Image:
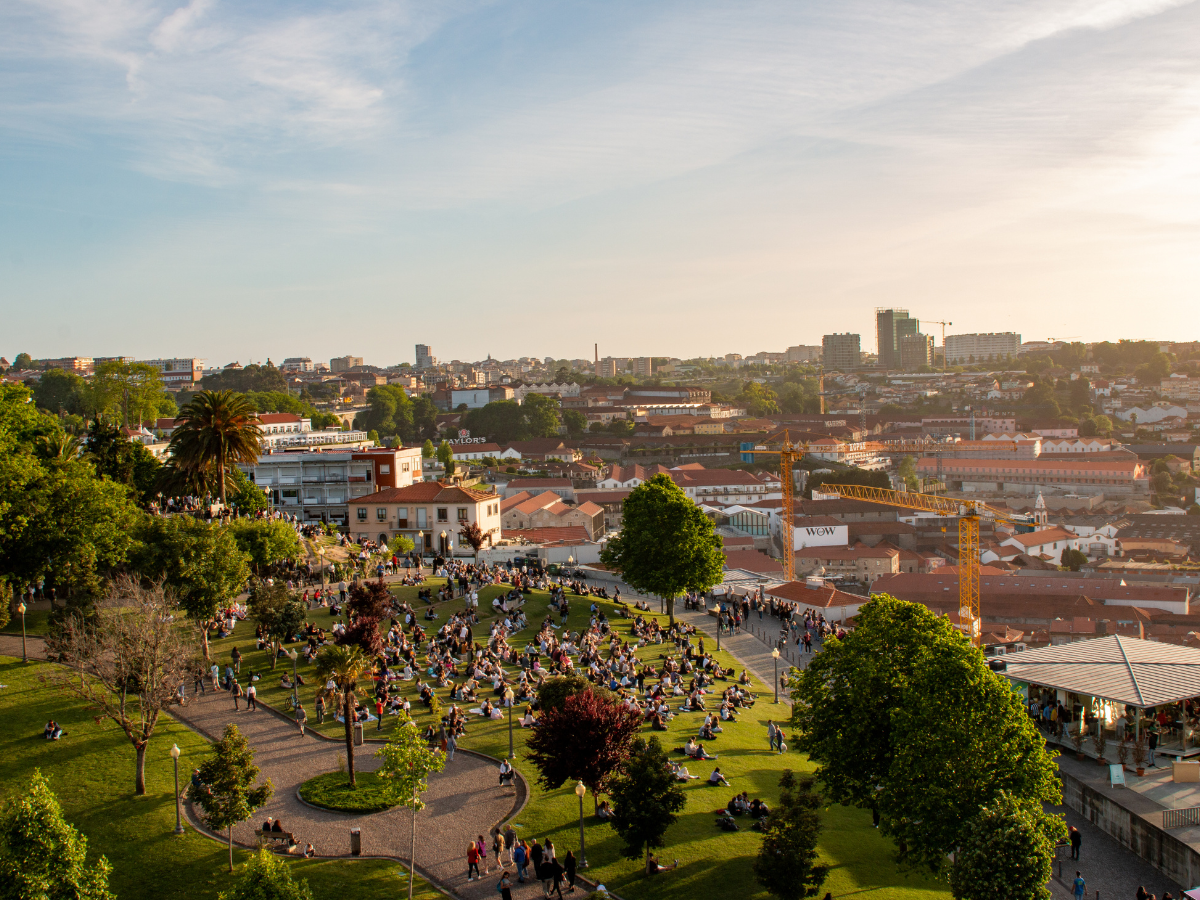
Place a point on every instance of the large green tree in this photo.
(667, 546)
(215, 431)
(406, 762)
(62, 393)
(389, 412)
(279, 613)
(266, 541)
(1007, 852)
(267, 877)
(42, 857)
(228, 793)
(201, 563)
(125, 392)
(787, 859)
(905, 718)
(121, 460)
(647, 799)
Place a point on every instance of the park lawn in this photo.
(715, 863)
(332, 790)
(37, 622)
(92, 771)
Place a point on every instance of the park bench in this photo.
(276, 837)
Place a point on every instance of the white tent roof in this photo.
(1127, 670)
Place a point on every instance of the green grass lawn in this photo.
(92, 770)
(714, 862)
(332, 791)
(37, 622)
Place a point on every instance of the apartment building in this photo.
(345, 363)
(431, 514)
(891, 327)
(424, 356)
(547, 510)
(965, 349)
(841, 352)
(1085, 475)
(803, 353)
(316, 485)
(178, 373)
(298, 364)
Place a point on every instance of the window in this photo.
(362, 514)
(422, 517)
(385, 469)
(462, 514)
(443, 514)
(381, 513)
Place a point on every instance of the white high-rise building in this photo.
(425, 358)
(979, 348)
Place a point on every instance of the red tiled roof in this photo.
(278, 418)
(426, 492)
(752, 561)
(539, 483)
(547, 535)
(819, 598)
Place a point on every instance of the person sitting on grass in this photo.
(52, 731)
(717, 778)
(656, 867)
(604, 813)
(706, 732)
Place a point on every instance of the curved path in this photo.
(463, 801)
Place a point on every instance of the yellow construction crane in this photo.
(943, 324)
(968, 513)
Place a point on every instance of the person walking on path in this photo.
(451, 744)
(251, 697)
(320, 709)
(236, 691)
(301, 718)
(510, 841)
(379, 714)
(481, 844)
(556, 878)
(774, 736)
(1078, 886)
(521, 859)
(569, 865)
(1152, 745)
(472, 861)
(505, 886)
(198, 682)
(236, 656)
(536, 858)
(1076, 839)
(498, 848)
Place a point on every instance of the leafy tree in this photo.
(244, 494)
(217, 430)
(1074, 559)
(373, 437)
(904, 717)
(553, 692)
(119, 459)
(646, 799)
(621, 426)
(228, 793)
(472, 535)
(541, 416)
(42, 855)
(389, 411)
(265, 541)
(344, 665)
(424, 418)
(22, 361)
(1103, 425)
(124, 391)
(61, 392)
(267, 877)
(907, 470)
(278, 611)
(201, 563)
(575, 421)
(585, 739)
(758, 399)
(406, 763)
(367, 605)
(1006, 852)
(253, 378)
(427, 450)
(786, 863)
(667, 546)
(445, 455)
(126, 661)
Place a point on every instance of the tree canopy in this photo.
(507, 420)
(215, 431)
(646, 799)
(904, 716)
(787, 859)
(667, 546)
(228, 793)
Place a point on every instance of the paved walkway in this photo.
(463, 801)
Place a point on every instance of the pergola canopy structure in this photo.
(1125, 670)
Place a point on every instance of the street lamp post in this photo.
(292, 654)
(321, 555)
(775, 658)
(580, 790)
(719, 615)
(175, 759)
(24, 652)
(508, 698)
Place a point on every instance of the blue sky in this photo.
(244, 180)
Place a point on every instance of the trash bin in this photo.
(358, 735)
(355, 842)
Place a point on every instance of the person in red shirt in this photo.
(472, 861)
(379, 714)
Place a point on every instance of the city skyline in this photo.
(355, 180)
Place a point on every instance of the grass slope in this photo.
(92, 769)
(714, 862)
(331, 791)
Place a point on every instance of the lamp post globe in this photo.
(24, 651)
(178, 818)
(580, 791)
(775, 659)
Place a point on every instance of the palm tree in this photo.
(216, 430)
(63, 446)
(344, 665)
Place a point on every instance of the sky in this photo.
(243, 181)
